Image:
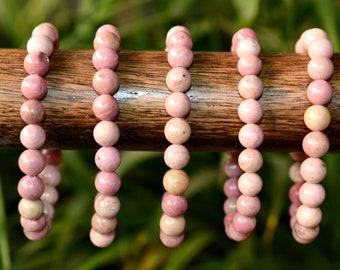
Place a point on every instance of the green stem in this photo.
(4, 243)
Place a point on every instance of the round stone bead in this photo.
(313, 170)
(175, 29)
(50, 195)
(106, 206)
(294, 172)
(107, 183)
(305, 235)
(175, 182)
(50, 175)
(177, 130)
(250, 86)
(31, 162)
(178, 79)
(32, 136)
(235, 235)
(177, 104)
(34, 87)
(105, 81)
(230, 187)
(248, 46)
(103, 225)
(105, 58)
(321, 47)
(49, 211)
(176, 156)
(32, 112)
(33, 225)
(317, 117)
(243, 224)
(320, 68)
(180, 56)
(48, 30)
(53, 156)
(310, 35)
(298, 156)
(308, 216)
(248, 205)
(101, 240)
(107, 159)
(315, 144)
(250, 111)
(241, 34)
(250, 184)
(36, 63)
(31, 209)
(293, 193)
(30, 187)
(292, 212)
(312, 195)
(299, 48)
(182, 38)
(249, 65)
(40, 43)
(105, 107)
(250, 136)
(106, 39)
(174, 205)
(109, 27)
(231, 167)
(319, 92)
(37, 235)
(172, 226)
(106, 133)
(171, 241)
(229, 205)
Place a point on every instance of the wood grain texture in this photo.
(213, 118)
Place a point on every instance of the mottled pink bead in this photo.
(182, 38)
(293, 193)
(34, 87)
(176, 156)
(298, 156)
(177, 28)
(48, 30)
(31, 162)
(250, 136)
(310, 35)
(105, 58)
(248, 205)
(50, 195)
(294, 172)
(53, 156)
(107, 159)
(248, 46)
(180, 56)
(319, 92)
(30, 187)
(233, 234)
(105, 81)
(174, 205)
(231, 167)
(107, 183)
(249, 65)
(106, 133)
(109, 27)
(250, 184)
(37, 235)
(228, 218)
(105, 107)
(250, 111)
(241, 34)
(308, 216)
(321, 47)
(250, 86)
(178, 79)
(177, 130)
(229, 205)
(243, 224)
(40, 43)
(103, 225)
(106, 39)
(36, 63)
(171, 241)
(315, 144)
(33, 225)
(312, 195)
(32, 112)
(106, 206)
(230, 187)
(313, 170)
(101, 240)
(177, 104)
(32, 136)
(292, 212)
(299, 48)
(49, 211)
(320, 68)
(305, 235)
(51, 175)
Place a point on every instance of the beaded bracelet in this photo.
(244, 184)
(106, 133)
(38, 187)
(177, 131)
(308, 171)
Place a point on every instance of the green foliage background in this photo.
(143, 25)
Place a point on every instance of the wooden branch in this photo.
(213, 118)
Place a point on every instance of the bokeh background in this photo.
(143, 25)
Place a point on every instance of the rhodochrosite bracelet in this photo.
(177, 131)
(38, 187)
(308, 171)
(244, 184)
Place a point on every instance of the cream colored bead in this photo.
(172, 226)
(31, 209)
(176, 181)
(317, 118)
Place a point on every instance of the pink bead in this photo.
(32, 112)
(250, 184)
(241, 34)
(171, 241)
(49, 211)
(250, 111)
(175, 29)
(299, 48)
(313, 170)
(37, 235)
(228, 218)
(48, 30)
(293, 193)
(31, 162)
(298, 156)
(40, 43)
(50, 195)
(312, 195)
(111, 28)
(177, 104)
(294, 172)
(177, 130)
(243, 224)
(320, 68)
(103, 225)
(305, 235)
(248, 205)
(30, 187)
(105, 81)
(319, 92)
(106, 206)
(249, 65)
(310, 35)
(180, 56)
(101, 240)
(321, 47)
(292, 212)
(107, 183)
(250, 136)
(36, 63)
(106, 133)
(105, 58)
(174, 205)
(107, 159)
(248, 46)
(315, 144)
(229, 205)
(33, 225)
(53, 156)
(178, 79)
(51, 175)
(231, 168)
(32, 136)
(105, 107)
(233, 234)
(308, 216)
(230, 188)
(34, 87)
(106, 39)
(250, 86)
(176, 156)
(182, 38)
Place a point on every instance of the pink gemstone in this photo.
(50, 195)
(249, 65)
(49, 30)
(313, 170)
(105, 81)
(299, 48)
(320, 68)
(305, 235)
(174, 205)
(107, 159)
(31, 162)
(248, 205)
(180, 56)
(178, 104)
(231, 167)
(250, 111)
(106, 133)
(294, 172)
(37, 235)
(175, 29)
(51, 175)
(105, 58)
(250, 86)
(319, 92)
(250, 160)
(30, 187)
(109, 27)
(101, 240)
(40, 43)
(103, 225)
(230, 188)
(292, 211)
(106, 39)
(106, 206)
(308, 216)
(241, 34)
(310, 35)
(177, 130)
(171, 241)
(182, 38)
(176, 156)
(321, 47)
(293, 193)
(233, 234)
(250, 184)
(32, 112)
(33, 225)
(178, 79)
(248, 46)
(105, 107)
(53, 156)
(229, 205)
(36, 63)
(243, 224)
(34, 87)
(250, 136)
(312, 195)
(32, 136)
(315, 144)
(107, 183)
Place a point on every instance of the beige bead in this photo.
(103, 225)
(250, 184)
(31, 209)
(106, 39)
(250, 160)
(106, 133)
(294, 172)
(106, 206)
(177, 130)
(317, 117)
(101, 240)
(172, 226)
(308, 216)
(176, 182)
